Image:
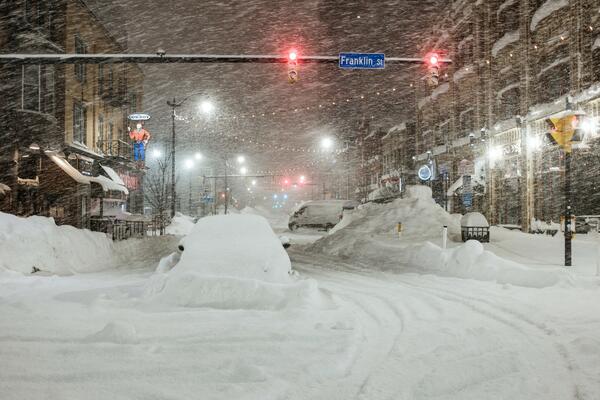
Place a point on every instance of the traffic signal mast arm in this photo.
(182, 58)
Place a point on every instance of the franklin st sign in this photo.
(362, 60)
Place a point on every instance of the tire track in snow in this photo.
(525, 327)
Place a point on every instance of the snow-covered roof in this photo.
(106, 183)
(546, 10)
(508, 38)
(556, 63)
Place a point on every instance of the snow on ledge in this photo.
(507, 39)
(546, 10)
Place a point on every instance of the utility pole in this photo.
(173, 105)
(226, 188)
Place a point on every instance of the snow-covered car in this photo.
(324, 214)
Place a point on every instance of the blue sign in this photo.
(425, 173)
(362, 60)
(208, 199)
(468, 200)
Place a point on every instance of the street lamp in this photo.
(327, 143)
(241, 159)
(198, 156)
(205, 106)
(243, 170)
(156, 153)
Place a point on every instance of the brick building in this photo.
(64, 150)
(515, 64)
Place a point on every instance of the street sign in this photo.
(138, 117)
(362, 60)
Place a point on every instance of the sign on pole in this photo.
(362, 60)
(139, 117)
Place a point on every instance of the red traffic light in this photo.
(433, 59)
(293, 55)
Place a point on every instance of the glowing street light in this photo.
(189, 164)
(198, 156)
(156, 153)
(241, 159)
(243, 170)
(207, 107)
(253, 182)
(326, 143)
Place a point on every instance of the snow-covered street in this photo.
(371, 335)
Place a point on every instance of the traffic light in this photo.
(433, 69)
(293, 66)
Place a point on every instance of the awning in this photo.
(106, 183)
(112, 174)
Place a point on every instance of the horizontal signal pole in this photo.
(179, 58)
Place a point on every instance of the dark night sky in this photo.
(272, 27)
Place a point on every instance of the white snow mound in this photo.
(232, 262)
(38, 242)
(114, 332)
(421, 219)
(180, 225)
(471, 261)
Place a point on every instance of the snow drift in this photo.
(180, 225)
(230, 262)
(471, 261)
(37, 242)
(360, 232)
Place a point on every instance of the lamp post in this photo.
(207, 107)
(243, 170)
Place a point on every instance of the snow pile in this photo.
(474, 219)
(180, 225)
(230, 262)
(277, 218)
(114, 332)
(471, 261)
(545, 10)
(37, 242)
(360, 231)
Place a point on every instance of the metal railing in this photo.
(119, 230)
(116, 148)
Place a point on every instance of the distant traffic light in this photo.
(293, 66)
(433, 69)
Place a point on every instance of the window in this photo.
(100, 79)
(110, 79)
(80, 48)
(79, 122)
(111, 132)
(30, 99)
(132, 103)
(48, 94)
(101, 139)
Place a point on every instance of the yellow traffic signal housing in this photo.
(564, 130)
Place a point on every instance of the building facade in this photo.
(64, 147)
(515, 64)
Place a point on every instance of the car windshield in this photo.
(299, 199)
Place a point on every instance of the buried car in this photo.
(237, 246)
(323, 214)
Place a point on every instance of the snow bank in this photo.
(471, 261)
(180, 225)
(277, 218)
(231, 262)
(38, 242)
(421, 218)
(192, 289)
(114, 332)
